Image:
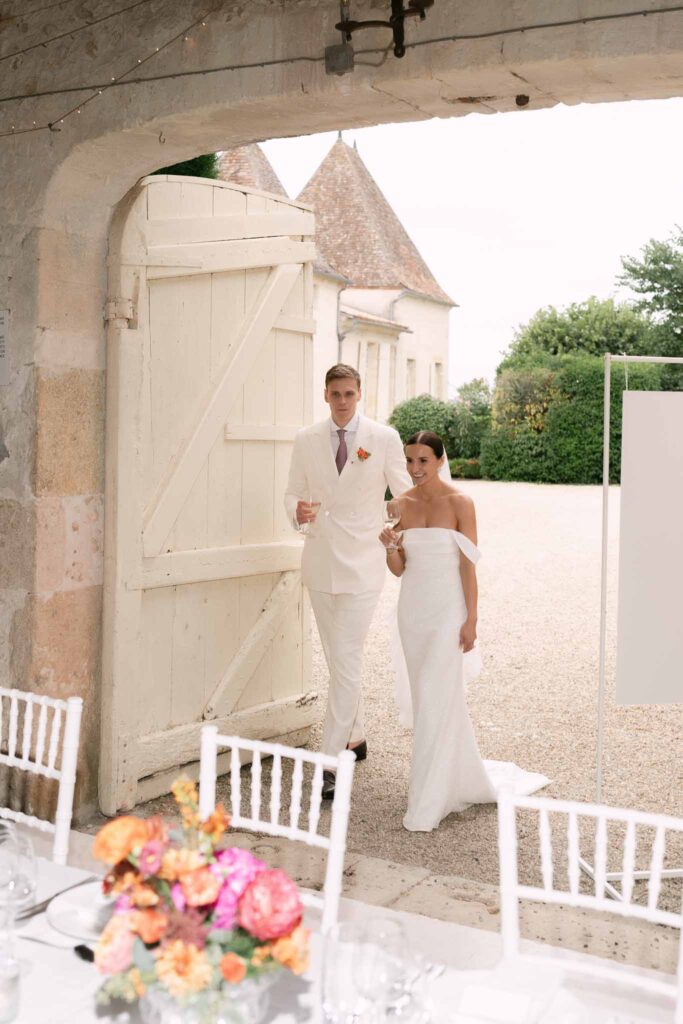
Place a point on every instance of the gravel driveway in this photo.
(535, 703)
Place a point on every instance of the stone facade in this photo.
(220, 85)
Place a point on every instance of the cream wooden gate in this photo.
(208, 377)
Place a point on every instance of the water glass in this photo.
(343, 1003)
(9, 987)
(309, 529)
(381, 969)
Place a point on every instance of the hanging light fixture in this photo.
(415, 9)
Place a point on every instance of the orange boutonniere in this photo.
(362, 455)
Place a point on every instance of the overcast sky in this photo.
(517, 211)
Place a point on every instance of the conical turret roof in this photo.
(357, 232)
(249, 165)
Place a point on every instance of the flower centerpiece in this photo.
(194, 921)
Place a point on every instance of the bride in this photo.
(435, 555)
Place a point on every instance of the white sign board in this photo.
(650, 619)
(4, 346)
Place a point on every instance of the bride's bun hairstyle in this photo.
(429, 438)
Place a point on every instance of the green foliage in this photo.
(425, 413)
(591, 328)
(465, 469)
(563, 442)
(471, 417)
(658, 278)
(205, 166)
(461, 424)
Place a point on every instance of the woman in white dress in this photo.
(435, 553)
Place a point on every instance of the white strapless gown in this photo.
(447, 773)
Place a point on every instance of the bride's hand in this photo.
(468, 634)
(390, 539)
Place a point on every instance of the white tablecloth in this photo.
(59, 988)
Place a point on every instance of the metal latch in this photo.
(119, 309)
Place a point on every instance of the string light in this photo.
(50, 126)
(72, 32)
(301, 59)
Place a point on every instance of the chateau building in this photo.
(377, 305)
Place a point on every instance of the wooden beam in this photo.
(242, 667)
(261, 432)
(162, 751)
(297, 324)
(184, 468)
(190, 230)
(215, 257)
(200, 566)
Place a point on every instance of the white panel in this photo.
(650, 637)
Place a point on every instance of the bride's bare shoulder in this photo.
(460, 501)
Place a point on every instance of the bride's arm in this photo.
(396, 559)
(467, 524)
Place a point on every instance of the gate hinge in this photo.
(120, 309)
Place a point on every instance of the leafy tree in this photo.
(198, 167)
(657, 276)
(592, 328)
(471, 417)
(425, 413)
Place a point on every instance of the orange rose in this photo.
(233, 968)
(292, 950)
(157, 829)
(149, 924)
(200, 887)
(118, 838)
(183, 969)
(142, 895)
(176, 863)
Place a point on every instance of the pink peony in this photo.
(270, 906)
(114, 949)
(149, 861)
(236, 868)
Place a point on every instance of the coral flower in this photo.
(183, 969)
(114, 949)
(236, 868)
(149, 924)
(200, 887)
(118, 838)
(270, 906)
(176, 863)
(292, 950)
(260, 954)
(233, 968)
(142, 895)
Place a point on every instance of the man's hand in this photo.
(468, 634)
(306, 512)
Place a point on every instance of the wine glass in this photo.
(315, 502)
(380, 967)
(392, 516)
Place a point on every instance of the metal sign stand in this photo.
(586, 867)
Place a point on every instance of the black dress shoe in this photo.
(361, 751)
(328, 785)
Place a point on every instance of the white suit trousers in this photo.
(343, 623)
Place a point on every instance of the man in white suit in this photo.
(344, 463)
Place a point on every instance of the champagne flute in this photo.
(392, 516)
(308, 529)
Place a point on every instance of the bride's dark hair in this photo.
(429, 438)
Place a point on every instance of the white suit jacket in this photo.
(343, 554)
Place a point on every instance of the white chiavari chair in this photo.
(39, 735)
(629, 822)
(270, 823)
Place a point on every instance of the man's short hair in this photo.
(341, 371)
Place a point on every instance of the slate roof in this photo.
(249, 165)
(357, 232)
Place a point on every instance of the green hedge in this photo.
(465, 469)
(564, 445)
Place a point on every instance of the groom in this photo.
(345, 463)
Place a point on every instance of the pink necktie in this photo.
(341, 452)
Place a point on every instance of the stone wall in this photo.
(60, 189)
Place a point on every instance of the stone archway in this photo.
(256, 73)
